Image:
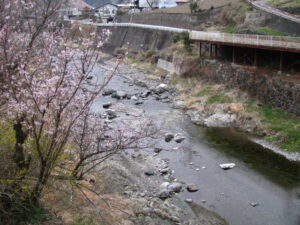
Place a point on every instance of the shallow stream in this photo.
(260, 177)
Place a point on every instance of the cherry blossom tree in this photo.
(46, 97)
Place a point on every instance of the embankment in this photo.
(137, 40)
(275, 90)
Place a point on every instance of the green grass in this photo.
(286, 3)
(231, 28)
(219, 99)
(269, 31)
(205, 91)
(285, 125)
(245, 5)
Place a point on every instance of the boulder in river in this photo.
(157, 150)
(111, 114)
(146, 94)
(220, 120)
(107, 92)
(107, 105)
(149, 173)
(253, 204)
(179, 138)
(134, 98)
(192, 188)
(161, 88)
(195, 116)
(169, 137)
(179, 104)
(227, 166)
(119, 95)
(175, 187)
(163, 194)
(164, 185)
(164, 171)
(139, 102)
(188, 200)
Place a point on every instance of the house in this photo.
(87, 12)
(106, 11)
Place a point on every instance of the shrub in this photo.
(194, 7)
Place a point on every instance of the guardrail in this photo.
(248, 39)
(274, 11)
(134, 25)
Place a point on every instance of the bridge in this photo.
(279, 45)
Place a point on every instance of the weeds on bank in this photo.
(231, 28)
(222, 99)
(284, 126)
(205, 91)
(269, 31)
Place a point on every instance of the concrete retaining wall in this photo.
(137, 39)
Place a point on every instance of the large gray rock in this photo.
(111, 114)
(175, 187)
(195, 116)
(146, 94)
(163, 194)
(169, 137)
(179, 104)
(227, 166)
(107, 105)
(179, 138)
(149, 173)
(107, 92)
(119, 95)
(220, 120)
(161, 88)
(192, 188)
(134, 98)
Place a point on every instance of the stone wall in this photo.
(272, 89)
(281, 24)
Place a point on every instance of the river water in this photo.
(260, 177)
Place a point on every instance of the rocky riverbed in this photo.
(180, 177)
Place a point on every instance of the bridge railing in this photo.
(247, 39)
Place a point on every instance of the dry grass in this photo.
(84, 203)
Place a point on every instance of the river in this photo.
(267, 181)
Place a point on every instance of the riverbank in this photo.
(133, 186)
(129, 186)
(217, 104)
